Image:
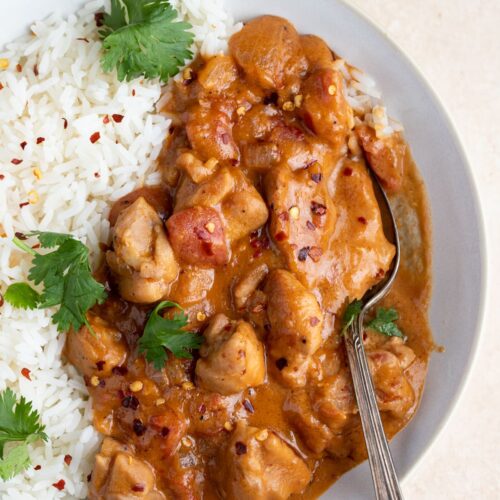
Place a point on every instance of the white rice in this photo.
(69, 183)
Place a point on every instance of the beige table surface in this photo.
(456, 44)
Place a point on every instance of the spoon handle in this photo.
(384, 475)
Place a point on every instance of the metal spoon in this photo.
(384, 475)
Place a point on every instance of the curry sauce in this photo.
(264, 228)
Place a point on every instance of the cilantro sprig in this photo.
(19, 423)
(167, 333)
(66, 277)
(142, 38)
(383, 322)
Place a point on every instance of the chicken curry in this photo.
(264, 227)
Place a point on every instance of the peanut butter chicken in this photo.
(264, 228)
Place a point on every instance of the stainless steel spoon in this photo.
(384, 475)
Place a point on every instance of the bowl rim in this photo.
(482, 243)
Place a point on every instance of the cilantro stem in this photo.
(23, 246)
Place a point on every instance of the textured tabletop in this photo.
(455, 43)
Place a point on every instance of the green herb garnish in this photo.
(142, 38)
(167, 333)
(384, 323)
(67, 280)
(351, 313)
(19, 423)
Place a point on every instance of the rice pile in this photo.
(54, 98)
(72, 140)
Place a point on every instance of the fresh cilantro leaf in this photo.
(50, 240)
(167, 333)
(142, 38)
(66, 277)
(22, 295)
(18, 423)
(350, 314)
(15, 461)
(384, 322)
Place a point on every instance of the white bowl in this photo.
(459, 263)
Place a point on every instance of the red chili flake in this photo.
(99, 18)
(65, 123)
(248, 406)
(100, 365)
(1, 300)
(68, 459)
(303, 253)
(202, 408)
(35, 246)
(316, 177)
(241, 448)
(97, 175)
(254, 234)
(35, 69)
(310, 225)
(26, 373)
(256, 243)
(347, 171)
(318, 208)
(138, 487)
(281, 363)
(313, 320)
(133, 92)
(1, 86)
(117, 118)
(2, 177)
(95, 137)
(283, 216)
(16, 161)
(257, 254)
(362, 220)
(39, 140)
(83, 40)
(139, 427)
(19, 68)
(105, 120)
(23, 144)
(24, 204)
(165, 431)
(20, 236)
(225, 138)
(380, 273)
(130, 402)
(60, 484)
(315, 253)
(120, 370)
(280, 236)
(37, 467)
(89, 477)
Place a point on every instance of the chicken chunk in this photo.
(317, 52)
(209, 130)
(198, 237)
(218, 74)
(324, 108)
(303, 220)
(96, 353)
(394, 392)
(296, 321)
(386, 156)
(232, 357)
(142, 258)
(259, 464)
(247, 285)
(233, 195)
(119, 475)
(269, 52)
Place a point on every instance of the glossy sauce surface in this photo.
(290, 233)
